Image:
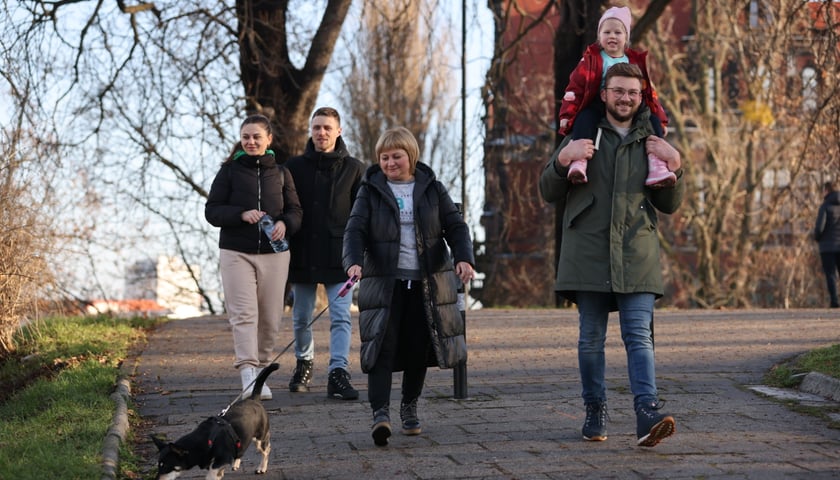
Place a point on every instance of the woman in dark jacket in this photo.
(249, 185)
(398, 241)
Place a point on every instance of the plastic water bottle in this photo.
(267, 225)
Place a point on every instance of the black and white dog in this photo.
(221, 440)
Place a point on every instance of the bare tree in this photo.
(398, 73)
(272, 83)
(753, 99)
(144, 100)
(29, 239)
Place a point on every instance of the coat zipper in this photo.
(259, 206)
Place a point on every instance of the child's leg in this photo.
(586, 122)
(656, 124)
(585, 126)
(658, 174)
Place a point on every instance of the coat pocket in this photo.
(577, 208)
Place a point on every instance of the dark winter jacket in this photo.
(247, 183)
(585, 85)
(372, 240)
(827, 229)
(610, 243)
(326, 184)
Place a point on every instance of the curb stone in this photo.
(819, 384)
(117, 431)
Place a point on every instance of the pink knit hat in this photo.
(622, 14)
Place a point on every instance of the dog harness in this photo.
(222, 426)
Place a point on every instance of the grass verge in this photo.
(789, 374)
(55, 405)
(823, 360)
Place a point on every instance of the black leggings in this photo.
(406, 346)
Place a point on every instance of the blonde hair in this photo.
(399, 138)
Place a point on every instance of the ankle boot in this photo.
(577, 172)
(381, 429)
(408, 416)
(301, 376)
(658, 174)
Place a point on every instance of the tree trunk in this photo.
(273, 85)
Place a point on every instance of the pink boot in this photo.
(658, 174)
(577, 172)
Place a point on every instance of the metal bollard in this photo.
(459, 373)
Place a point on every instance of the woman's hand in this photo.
(464, 271)
(252, 216)
(279, 231)
(354, 270)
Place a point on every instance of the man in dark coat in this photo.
(827, 233)
(327, 179)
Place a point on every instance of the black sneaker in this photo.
(339, 386)
(595, 424)
(381, 429)
(301, 376)
(652, 426)
(408, 415)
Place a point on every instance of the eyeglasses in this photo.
(621, 92)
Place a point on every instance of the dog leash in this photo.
(341, 293)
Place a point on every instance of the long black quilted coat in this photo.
(372, 240)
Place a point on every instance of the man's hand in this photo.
(664, 151)
(580, 149)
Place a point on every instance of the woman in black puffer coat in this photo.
(398, 241)
(251, 184)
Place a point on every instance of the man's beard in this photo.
(613, 110)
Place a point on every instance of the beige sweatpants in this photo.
(254, 288)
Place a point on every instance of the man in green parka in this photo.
(609, 256)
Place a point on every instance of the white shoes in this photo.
(248, 375)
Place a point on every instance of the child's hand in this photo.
(563, 123)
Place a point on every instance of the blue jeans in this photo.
(635, 312)
(340, 326)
